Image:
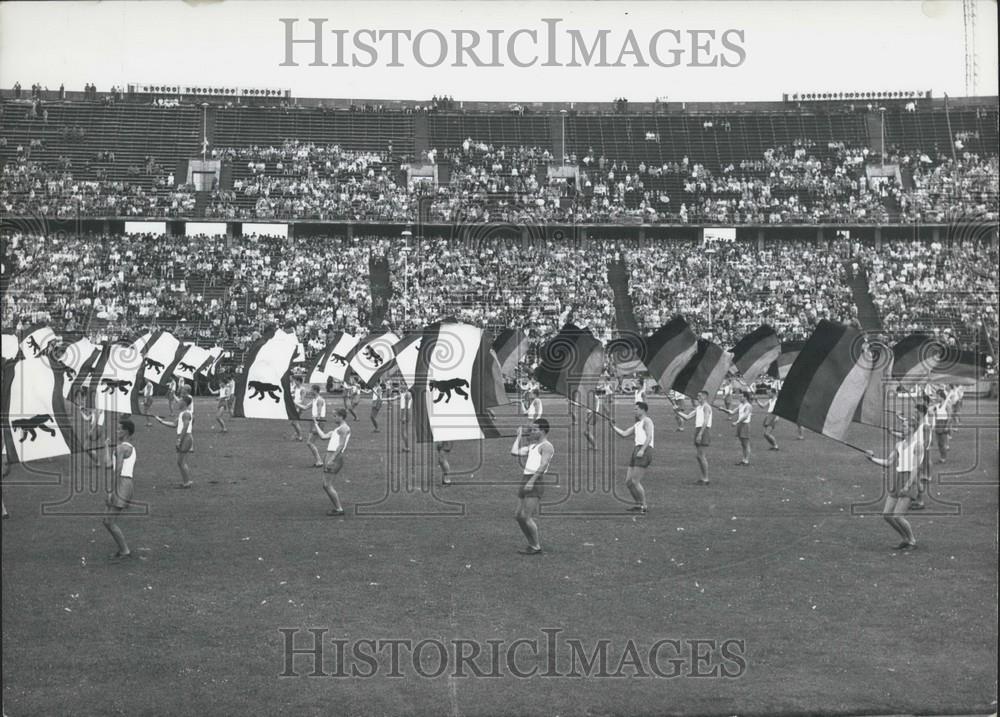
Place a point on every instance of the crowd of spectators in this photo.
(214, 290)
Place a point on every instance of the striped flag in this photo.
(115, 383)
(625, 351)
(571, 362)
(705, 371)
(915, 356)
(755, 352)
(668, 350)
(214, 357)
(957, 366)
(403, 361)
(37, 340)
(33, 417)
(510, 345)
(789, 352)
(262, 389)
(371, 353)
(456, 376)
(73, 360)
(189, 359)
(878, 401)
(88, 371)
(338, 363)
(827, 380)
(159, 356)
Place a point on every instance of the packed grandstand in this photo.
(882, 214)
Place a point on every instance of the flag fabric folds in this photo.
(755, 352)
(877, 404)
(36, 340)
(9, 346)
(159, 356)
(668, 350)
(404, 360)
(263, 388)
(371, 353)
(789, 352)
(704, 371)
(189, 360)
(915, 356)
(957, 366)
(827, 380)
(74, 361)
(571, 362)
(454, 384)
(510, 345)
(114, 385)
(33, 417)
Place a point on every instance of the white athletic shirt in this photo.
(640, 433)
(743, 413)
(318, 407)
(180, 423)
(128, 465)
(334, 443)
(535, 409)
(905, 459)
(771, 404)
(405, 400)
(297, 392)
(702, 416)
(941, 411)
(147, 390)
(534, 460)
(640, 394)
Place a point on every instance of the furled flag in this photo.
(827, 380)
(262, 390)
(33, 418)
(455, 383)
(957, 366)
(668, 350)
(571, 362)
(755, 352)
(74, 359)
(371, 353)
(9, 346)
(915, 356)
(789, 352)
(115, 383)
(510, 345)
(403, 361)
(705, 371)
(878, 403)
(190, 359)
(159, 356)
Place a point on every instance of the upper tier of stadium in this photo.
(861, 161)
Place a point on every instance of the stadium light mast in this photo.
(710, 252)
(204, 130)
(405, 251)
(562, 113)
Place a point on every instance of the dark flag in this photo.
(957, 366)
(878, 403)
(827, 380)
(510, 345)
(571, 362)
(704, 372)
(668, 350)
(263, 390)
(915, 356)
(755, 352)
(455, 383)
(789, 352)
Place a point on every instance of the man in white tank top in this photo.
(642, 454)
(744, 414)
(223, 392)
(770, 420)
(902, 483)
(316, 406)
(122, 459)
(538, 454)
(185, 439)
(405, 399)
(298, 396)
(533, 405)
(702, 415)
(602, 392)
(147, 400)
(339, 437)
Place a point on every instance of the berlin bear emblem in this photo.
(373, 356)
(259, 388)
(70, 373)
(33, 345)
(339, 359)
(444, 388)
(185, 367)
(110, 385)
(153, 364)
(29, 426)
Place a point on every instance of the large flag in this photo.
(72, 361)
(37, 340)
(115, 382)
(755, 352)
(159, 356)
(190, 360)
(878, 402)
(403, 361)
(212, 364)
(915, 356)
(510, 345)
(263, 390)
(371, 353)
(668, 350)
(789, 352)
(332, 361)
(957, 366)
(827, 380)
(571, 362)
(705, 371)
(33, 418)
(456, 378)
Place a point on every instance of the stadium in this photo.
(425, 282)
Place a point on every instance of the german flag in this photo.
(958, 366)
(915, 356)
(456, 378)
(705, 371)
(789, 352)
(510, 346)
(571, 362)
(827, 380)
(755, 352)
(668, 350)
(879, 399)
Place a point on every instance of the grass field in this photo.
(785, 556)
